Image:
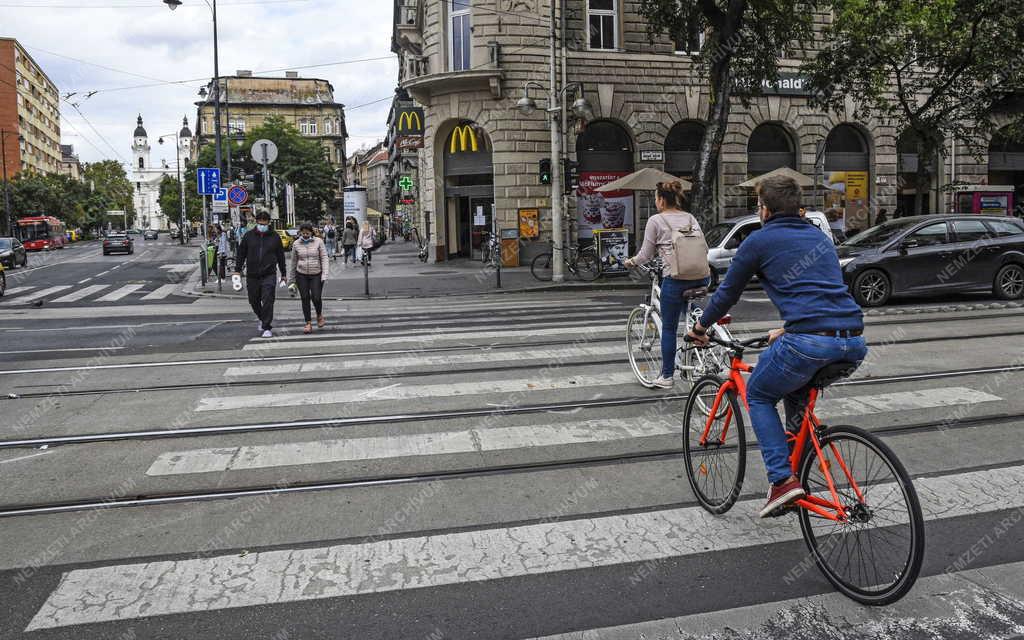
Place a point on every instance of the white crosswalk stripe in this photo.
(161, 292)
(42, 293)
(82, 293)
(117, 294)
(13, 291)
(139, 590)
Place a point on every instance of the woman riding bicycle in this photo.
(658, 235)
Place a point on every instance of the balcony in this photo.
(421, 83)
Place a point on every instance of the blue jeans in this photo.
(672, 305)
(781, 372)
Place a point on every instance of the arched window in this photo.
(846, 149)
(604, 146)
(142, 163)
(328, 126)
(682, 147)
(770, 147)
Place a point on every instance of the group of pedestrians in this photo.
(351, 235)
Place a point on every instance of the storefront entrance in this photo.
(469, 191)
(848, 178)
(604, 151)
(1006, 167)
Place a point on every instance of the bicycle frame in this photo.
(830, 509)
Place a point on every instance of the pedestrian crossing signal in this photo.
(545, 171)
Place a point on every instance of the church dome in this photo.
(185, 131)
(140, 132)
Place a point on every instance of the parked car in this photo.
(150, 234)
(726, 237)
(286, 239)
(12, 253)
(935, 254)
(118, 242)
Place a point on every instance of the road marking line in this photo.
(63, 349)
(903, 401)
(33, 455)
(398, 392)
(42, 293)
(81, 293)
(13, 291)
(179, 268)
(114, 296)
(83, 281)
(143, 590)
(161, 292)
(422, 336)
(409, 445)
(432, 360)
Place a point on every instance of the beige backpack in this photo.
(688, 256)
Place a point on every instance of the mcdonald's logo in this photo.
(410, 121)
(462, 135)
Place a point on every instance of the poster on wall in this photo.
(612, 249)
(529, 223)
(597, 211)
(848, 193)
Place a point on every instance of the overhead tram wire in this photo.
(96, 131)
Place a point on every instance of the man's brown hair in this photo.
(781, 194)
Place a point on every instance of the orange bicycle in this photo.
(861, 518)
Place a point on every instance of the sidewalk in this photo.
(398, 273)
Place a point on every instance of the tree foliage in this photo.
(82, 203)
(744, 40)
(936, 68)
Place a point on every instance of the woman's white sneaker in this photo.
(664, 383)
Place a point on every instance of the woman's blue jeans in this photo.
(782, 371)
(672, 306)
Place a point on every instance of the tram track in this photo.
(156, 499)
(426, 416)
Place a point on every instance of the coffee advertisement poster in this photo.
(598, 211)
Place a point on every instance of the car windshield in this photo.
(877, 236)
(5, 244)
(715, 234)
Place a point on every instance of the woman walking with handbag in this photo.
(367, 240)
(309, 272)
(680, 273)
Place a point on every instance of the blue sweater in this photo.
(799, 269)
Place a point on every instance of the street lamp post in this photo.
(183, 233)
(9, 220)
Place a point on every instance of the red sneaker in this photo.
(780, 495)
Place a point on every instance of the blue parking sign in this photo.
(207, 181)
(221, 195)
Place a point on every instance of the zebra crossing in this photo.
(420, 546)
(93, 293)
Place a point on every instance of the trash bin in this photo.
(211, 256)
(510, 247)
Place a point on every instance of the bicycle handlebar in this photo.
(735, 345)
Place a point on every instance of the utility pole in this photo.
(557, 256)
(216, 81)
(7, 195)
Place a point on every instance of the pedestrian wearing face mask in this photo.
(309, 273)
(260, 256)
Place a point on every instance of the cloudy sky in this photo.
(113, 46)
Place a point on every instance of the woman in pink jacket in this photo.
(309, 273)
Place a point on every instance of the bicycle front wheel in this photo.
(643, 344)
(588, 267)
(875, 555)
(714, 447)
(541, 267)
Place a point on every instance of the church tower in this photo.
(140, 147)
(184, 143)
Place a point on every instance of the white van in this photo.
(726, 237)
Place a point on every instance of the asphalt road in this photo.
(460, 467)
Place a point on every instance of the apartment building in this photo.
(29, 113)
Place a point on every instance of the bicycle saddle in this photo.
(831, 373)
(699, 292)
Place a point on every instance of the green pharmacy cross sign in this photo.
(406, 183)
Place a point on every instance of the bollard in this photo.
(366, 276)
(203, 271)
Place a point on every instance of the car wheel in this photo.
(871, 288)
(1009, 282)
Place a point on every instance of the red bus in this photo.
(41, 232)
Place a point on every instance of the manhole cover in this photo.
(435, 273)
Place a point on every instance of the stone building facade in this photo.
(29, 113)
(467, 66)
(70, 165)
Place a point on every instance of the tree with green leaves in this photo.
(937, 69)
(743, 44)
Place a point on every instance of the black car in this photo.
(935, 254)
(150, 234)
(118, 242)
(12, 253)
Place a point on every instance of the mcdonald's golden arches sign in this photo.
(409, 122)
(464, 139)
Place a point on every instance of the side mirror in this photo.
(732, 243)
(909, 243)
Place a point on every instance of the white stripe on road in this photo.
(81, 293)
(903, 401)
(179, 268)
(142, 590)
(161, 292)
(117, 294)
(42, 293)
(399, 392)
(430, 360)
(13, 291)
(419, 444)
(424, 336)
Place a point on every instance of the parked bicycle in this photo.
(861, 517)
(490, 250)
(422, 244)
(643, 335)
(581, 262)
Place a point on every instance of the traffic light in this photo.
(570, 176)
(545, 171)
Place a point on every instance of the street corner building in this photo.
(29, 113)
(473, 155)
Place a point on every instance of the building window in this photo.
(236, 127)
(328, 127)
(690, 39)
(459, 36)
(142, 164)
(307, 127)
(603, 22)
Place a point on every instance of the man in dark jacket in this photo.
(799, 269)
(262, 252)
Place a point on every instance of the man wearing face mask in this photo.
(262, 252)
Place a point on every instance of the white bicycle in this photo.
(643, 336)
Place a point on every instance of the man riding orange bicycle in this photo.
(799, 269)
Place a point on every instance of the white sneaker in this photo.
(267, 334)
(664, 383)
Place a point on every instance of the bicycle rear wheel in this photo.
(588, 267)
(716, 468)
(541, 267)
(643, 345)
(873, 557)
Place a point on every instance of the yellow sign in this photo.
(856, 185)
(529, 223)
(410, 121)
(465, 136)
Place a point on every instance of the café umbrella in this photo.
(801, 180)
(643, 180)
